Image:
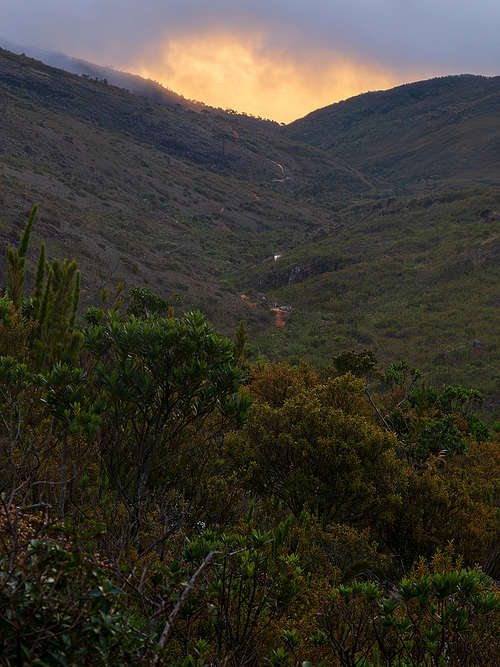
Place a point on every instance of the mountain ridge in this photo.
(122, 79)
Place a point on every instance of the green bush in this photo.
(58, 608)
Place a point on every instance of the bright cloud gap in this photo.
(224, 71)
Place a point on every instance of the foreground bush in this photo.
(59, 608)
(443, 618)
(311, 450)
(224, 513)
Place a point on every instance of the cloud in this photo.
(240, 73)
(237, 52)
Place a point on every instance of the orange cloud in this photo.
(237, 73)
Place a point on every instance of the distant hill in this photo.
(133, 83)
(416, 137)
(373, 222)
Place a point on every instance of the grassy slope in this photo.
(416, 279)
(185, 202)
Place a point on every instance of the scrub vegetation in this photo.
(165, 500)
(261, 426)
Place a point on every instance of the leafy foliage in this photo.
(16, 260)
(157, 381)
(431, 619)
(166, 501)
(57, 608)
(311, 451)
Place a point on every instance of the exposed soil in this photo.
(280, 317)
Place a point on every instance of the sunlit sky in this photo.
(234, 72)
(274, 59)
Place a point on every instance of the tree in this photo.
(56, 338)
(39, 277)
(143, 302)
(241, 348)
(158, 380)
(54, 302)
(360, 364)
(311, 451)
(430, 421)
(16, 262)
(430, 619)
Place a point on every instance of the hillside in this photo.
(134, 84)
(143, 192)
(410, 278)
(416, 137)
(384, 209)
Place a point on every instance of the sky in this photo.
(270, 58)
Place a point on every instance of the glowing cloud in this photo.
(240, 73)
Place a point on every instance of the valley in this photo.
(384, 209)
(249, 371)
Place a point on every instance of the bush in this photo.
(310, 450)
(58, 608)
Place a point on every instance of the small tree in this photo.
(310, 451)
(241, 348)
(16, 262)
(433, 619)
(143, 302)
(56, 338)
(159, 380)
(54, 302)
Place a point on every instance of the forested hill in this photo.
(444, 131)
(144, 192)
(384, 211)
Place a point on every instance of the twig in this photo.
(180, 603)
(372, 403)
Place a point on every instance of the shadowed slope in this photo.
(415, 137)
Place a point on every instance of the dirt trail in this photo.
(284, 177)
(280, 317)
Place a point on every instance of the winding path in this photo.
(284, 177)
